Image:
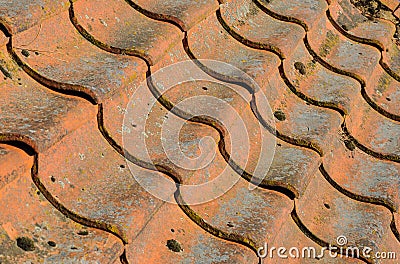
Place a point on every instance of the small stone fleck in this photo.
(174, 245)
(25, 243)
(300, 67)
(280, 115)
(349, 145)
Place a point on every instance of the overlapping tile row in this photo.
(358, 28)
(104, 57)
(18, 16)
(34, 231)
(300, 69)
(307, 67)
(328, 47)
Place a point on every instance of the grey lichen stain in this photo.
(330, 41)
(238, 14)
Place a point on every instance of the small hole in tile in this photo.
(53, 179)
(388, 99)
(51, 243)
(327, 206)
(25, 53)
(25, 243)
(204, 88)
(83, 233)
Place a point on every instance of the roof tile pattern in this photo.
(48, 235)
(60, 57)
(331, 79)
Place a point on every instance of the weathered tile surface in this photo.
(33, 231)
(291, 139)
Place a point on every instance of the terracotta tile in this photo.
(350, 19)
(61, 55)
(284, 170)
(392, 4)
(306, 124)
(246, 19)
(328, 214)
(321, 84)
(364, 175)
(152, 134)
(14, 163)
(358, 59)
(392, 60)
(281, 172)
(396, 219)
(3, 39)
(385, 92)
(160, 139)
(32, 230)
(184, 13)
(252, 62)
(340, 91)
(250, 214)
(18, 16)
(32, 113)
(278, 95)
(375, 131)
(219, 174)
(198, 246)
(100, 187)
(97, 186)
(288, 160)
(123, 28)
(291, 166)
(307, 12)
(397, 12)
(215, 170)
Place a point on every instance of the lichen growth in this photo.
(330, 41)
